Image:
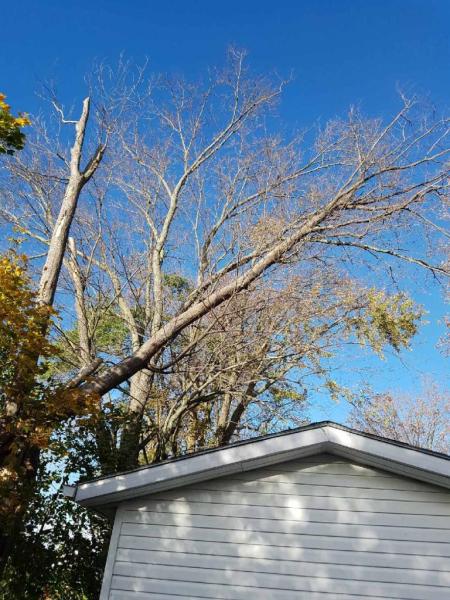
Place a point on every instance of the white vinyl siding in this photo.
(319, 528)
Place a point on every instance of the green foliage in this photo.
(109, 336)
(387, 320)
(177, 284)
(61, 550)
(282, 392)
(110, 332)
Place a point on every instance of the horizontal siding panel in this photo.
(163, 590)
(274, 496)
(274, 539)
(339, 468)
(271, 581)
(347, 466)
(334, 490)
(266, 525)
(293, 510)
(242, 566)
(319, 459)
(300, 554)
(122, 595)
(384, 481)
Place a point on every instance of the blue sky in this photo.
(341, 52)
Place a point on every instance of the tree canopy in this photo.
(194, 273)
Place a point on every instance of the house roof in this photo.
(391, 455)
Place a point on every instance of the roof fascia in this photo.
(400, 460)
(194, 469)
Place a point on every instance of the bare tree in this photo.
(200, 214)
(255, 205)
(421, 420)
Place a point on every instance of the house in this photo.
(322, 512)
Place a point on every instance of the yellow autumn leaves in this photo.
(11, 136)
(21, 121)
(31, 406)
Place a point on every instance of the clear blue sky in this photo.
(342, 52)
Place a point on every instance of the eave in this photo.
(106, 492)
